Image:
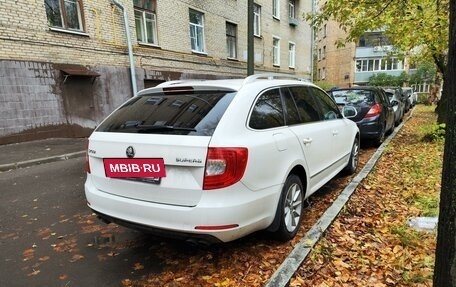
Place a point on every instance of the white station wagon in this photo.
(215, 160)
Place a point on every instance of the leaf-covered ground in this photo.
(370, 243)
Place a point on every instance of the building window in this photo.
(319, 54)
(276, 9)
(66, 14)
(197, 31)
(256, 20)
(276, 51)
(325, 30)
(291, 54)
(323, 73)
(231, 40)
(292, 9)
(323, 54)
(146, 21)
(367, 65)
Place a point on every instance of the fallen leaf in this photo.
(45, 258)
(138, 266)
(63, 277)
(76, 257)
(35, 272)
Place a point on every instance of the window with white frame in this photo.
(323, 73)
(146, 21)
(197, 31)
(65, 14)
(256, 20)
(292, 9)
(276, 51)
(231, 40)
(276, 9)
(368, 65)
(291, 55)
(325, 30)
(319, 54)
(323, 53)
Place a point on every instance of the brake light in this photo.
(87, 163)
(177, 90)
(375, 110)
(224, 167)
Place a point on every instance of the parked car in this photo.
(375, 115)
(407, 93)
(397, 104)
(217, 160)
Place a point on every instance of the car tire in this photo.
(354, 158)
(290, 208)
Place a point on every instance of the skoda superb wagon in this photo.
(216, 160)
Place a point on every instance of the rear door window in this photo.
(308, 108)
(328, 106)
(182, 113)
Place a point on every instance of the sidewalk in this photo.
(26, 154)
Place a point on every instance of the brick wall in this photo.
(37, 99)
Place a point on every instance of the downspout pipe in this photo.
(129, 46)
(312, 42)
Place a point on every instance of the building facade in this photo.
(374, 55)
(334, 64)
(65, 64)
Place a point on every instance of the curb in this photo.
(27, 163)
(282, 276)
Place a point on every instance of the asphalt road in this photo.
(49, 237)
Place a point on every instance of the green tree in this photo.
(426, 71)
(416, 28)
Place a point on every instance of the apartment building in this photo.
(353, 63)
(65, 64)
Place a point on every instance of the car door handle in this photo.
(335, 133)
(307, 141)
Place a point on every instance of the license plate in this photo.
(134, 167)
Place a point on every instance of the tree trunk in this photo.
(445, 259)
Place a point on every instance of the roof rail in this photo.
(271, 76)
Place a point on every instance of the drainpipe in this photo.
(130, 49)
(250, 42)
(312, 43)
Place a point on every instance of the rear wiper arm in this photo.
(163, 128)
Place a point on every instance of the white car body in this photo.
(179, 204)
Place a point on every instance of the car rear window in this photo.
(354, 97)
(181, 113)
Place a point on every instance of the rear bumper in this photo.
(369, 129)
(250, 211)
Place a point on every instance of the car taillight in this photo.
(375, 110)
(87, 163)
(224, 167)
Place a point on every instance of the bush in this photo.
(436, 132)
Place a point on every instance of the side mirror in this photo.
(349, 111)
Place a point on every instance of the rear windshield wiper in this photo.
(146, 128)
